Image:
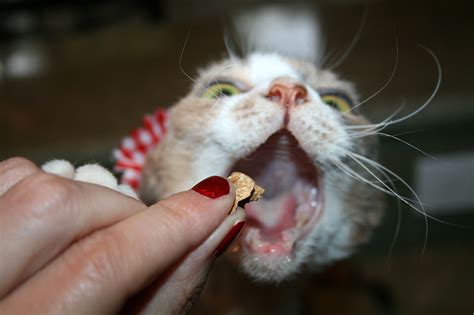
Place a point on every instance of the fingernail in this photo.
(229, 238)
(213, 187)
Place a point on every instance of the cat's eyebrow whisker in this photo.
(216, 73)
(326, 58)
(181, 58)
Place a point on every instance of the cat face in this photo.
(288, 125)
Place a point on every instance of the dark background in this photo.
(76, 77)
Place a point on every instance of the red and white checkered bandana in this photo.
(130, 157)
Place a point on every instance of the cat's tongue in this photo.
(274, 224)
(272, 216)
(266, 220)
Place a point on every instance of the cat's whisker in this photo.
(359, 158)
(381, 124)
(399, 219)
(213, 76)
(326, 58)
(353, 42)
(217, 72)
(388, 122)
(433, 94)
(390, 78)
(180, 62)
(399, 212)
(353, 174)
(407, 143)
(357, 135)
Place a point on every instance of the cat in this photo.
(292, 126)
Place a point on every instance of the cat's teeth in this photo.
(307, 206)
(254, 238)
(289, 237)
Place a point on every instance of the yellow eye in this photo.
(221, 89)
(338, 102)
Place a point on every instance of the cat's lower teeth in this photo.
(283, 245)
(289, 236)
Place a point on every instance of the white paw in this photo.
(96, 174)
(59, 167)
(89, 173)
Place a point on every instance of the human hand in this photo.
(71, 247)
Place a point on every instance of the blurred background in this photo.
(76, 77)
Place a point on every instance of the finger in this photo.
(14, 170)
(43, 214)
(178, 290)
(98, 274)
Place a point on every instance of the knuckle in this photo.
(19, 165)
(44, 194)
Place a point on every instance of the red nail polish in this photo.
(229, 238)
(213, 187)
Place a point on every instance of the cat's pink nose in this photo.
(287, 94)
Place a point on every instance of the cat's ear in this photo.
(292, 31)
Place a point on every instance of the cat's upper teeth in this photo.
(307, 204)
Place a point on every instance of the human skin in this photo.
(71, 247)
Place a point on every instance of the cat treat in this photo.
(246, 189)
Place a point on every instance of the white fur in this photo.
(89, 173)
(240, 140)
(289, 31)
(59, 167)
(96, 174)
(264, 68)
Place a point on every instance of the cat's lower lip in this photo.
(292, 203)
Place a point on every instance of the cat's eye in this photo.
(337, 101)
(221, 89)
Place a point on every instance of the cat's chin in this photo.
(290, 209)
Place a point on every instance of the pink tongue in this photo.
(273, 216)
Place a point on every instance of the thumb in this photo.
(177, 291)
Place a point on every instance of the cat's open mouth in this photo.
(292, 203)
